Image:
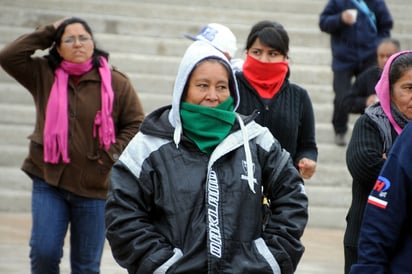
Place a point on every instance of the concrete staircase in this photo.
(145, 39)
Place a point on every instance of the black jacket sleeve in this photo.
(288, 206)
(364, 155)
(132, 237)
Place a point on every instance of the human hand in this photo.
(371, 99)
(348, 17)
(307, 168)
(58, 22)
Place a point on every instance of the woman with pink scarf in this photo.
(86, 113)
(372, 137)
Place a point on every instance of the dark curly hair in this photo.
(54, 57)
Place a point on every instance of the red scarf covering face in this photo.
(57, 123)
(266, 78)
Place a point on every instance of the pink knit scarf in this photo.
(382, 89)
(57, 124)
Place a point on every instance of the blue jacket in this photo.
(385, 243)
(356, 44)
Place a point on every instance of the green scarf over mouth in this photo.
(207, 126)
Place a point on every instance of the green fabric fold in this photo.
(207, 126)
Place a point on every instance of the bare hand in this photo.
(307, 168)
(371, 100)
(347, 18)
(58, 22)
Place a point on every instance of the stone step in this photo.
(8, 34)
(15, 134)
(12, 92)
(330, 175)
(136, 26)
(15, 200)
(323, 112)
(327, 217)
(208, 9)
(140, 13)
(12, 155)
(205, 8)
(329, 196)
(17, 114)
(182, 12)
(146, 42)
(13, 178)
(325, 133)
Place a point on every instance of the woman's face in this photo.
(264, 53)
(402, 94)
(385, 51)
(208, 84)
(76, 44)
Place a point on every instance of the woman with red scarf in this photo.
(285, 108)
(86, 113)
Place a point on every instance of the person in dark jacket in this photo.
(283, 107)
(186, 194)
(86, 113)
(372, 138)
(353, 44)
(385, 243)
(363, 93)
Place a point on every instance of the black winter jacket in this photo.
(213, 222)
(289, 116)
(174, 209)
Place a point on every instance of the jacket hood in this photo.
(195, 53)
(383, 88)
